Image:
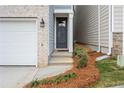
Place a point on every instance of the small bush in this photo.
(57, 79)
(83, 62)
(44, 81)
(54, 80)
(72, 75)
(35, 83)
(79, 52)
(82, 55)
(114, 57)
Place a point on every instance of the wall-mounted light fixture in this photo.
(42, 23)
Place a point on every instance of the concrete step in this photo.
(61, 60)
(60, 64)
(62, 54)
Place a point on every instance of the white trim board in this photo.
(110, 29)
(123, 32)
(63, 11)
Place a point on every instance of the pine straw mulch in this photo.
(85, 76)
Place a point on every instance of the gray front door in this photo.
(61, 32)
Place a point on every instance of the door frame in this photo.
(56, 33)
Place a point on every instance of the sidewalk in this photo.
(17, 77)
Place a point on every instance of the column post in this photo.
(70, 32)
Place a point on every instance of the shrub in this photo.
(44, 81)
(82, 55)
(35, 83)
(114, 57)
(68, 76)
(78, 52)
(55, 79)
(83, 62)
(72, 75)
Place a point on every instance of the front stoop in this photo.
(61, 58)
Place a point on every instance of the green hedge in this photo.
(55, 79)
(82, 55)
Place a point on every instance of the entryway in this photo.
(61, 33)
(61, 57)
(63, 40)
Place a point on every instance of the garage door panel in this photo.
(17, 25)
(18, 47)
(19, 60)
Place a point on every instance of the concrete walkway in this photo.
(119, 86)
(18, 76)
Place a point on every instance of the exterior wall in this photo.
(117, 30)
(104, 28)
(51, 29)
(118, 18)
(87, 25)
(37, 12)
(117, 44)
(87, 32)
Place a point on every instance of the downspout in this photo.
(98, 28)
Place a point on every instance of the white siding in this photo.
(51, 29)
(87, 25)
(104, 28)
(118, 18)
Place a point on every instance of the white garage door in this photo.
(18, 42)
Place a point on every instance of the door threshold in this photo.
(61, 49)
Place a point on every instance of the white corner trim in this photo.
(48, 31)
(70, 32)
(112, 18)
(98, 28)
(110, 29)
(123, 32)
(55, 33)
(37, 26)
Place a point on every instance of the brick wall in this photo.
(38, 12)
(117, 43)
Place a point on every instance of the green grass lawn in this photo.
(110, 73)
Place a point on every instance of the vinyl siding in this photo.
(87, 25)
(51, 29)
(104, 28)
(117, 30)
(118, 18)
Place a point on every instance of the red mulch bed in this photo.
(85, 76)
